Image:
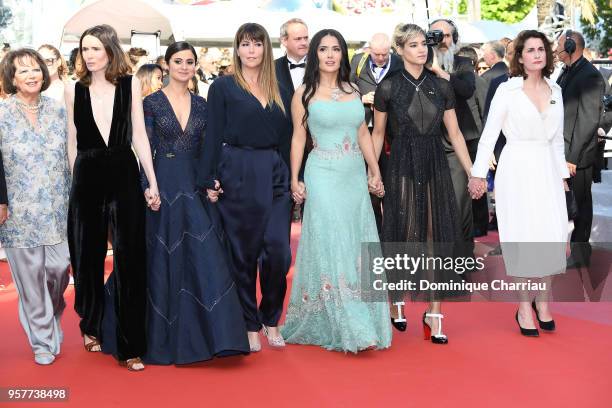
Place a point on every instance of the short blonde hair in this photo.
(404, 32)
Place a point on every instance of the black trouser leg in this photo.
(581, 184)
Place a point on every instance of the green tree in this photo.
(506, 11)
(601, 31)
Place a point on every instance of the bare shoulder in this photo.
(69, 90)
(296, 100)
(135, 82)
(300, 90)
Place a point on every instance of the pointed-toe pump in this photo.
(548, 326)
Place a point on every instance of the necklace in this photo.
(416, 86)
(335, 94)
(29, 108)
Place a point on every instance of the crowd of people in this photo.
(196, 193)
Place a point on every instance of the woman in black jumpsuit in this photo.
(106, 193)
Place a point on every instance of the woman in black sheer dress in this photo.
(420, 205)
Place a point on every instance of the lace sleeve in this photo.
(382, 96)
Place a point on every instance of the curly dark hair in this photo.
(516, 67)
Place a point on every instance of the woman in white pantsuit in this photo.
(529, 183)
(34, 188)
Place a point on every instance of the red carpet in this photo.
(486, 364)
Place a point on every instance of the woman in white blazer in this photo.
(529, 183)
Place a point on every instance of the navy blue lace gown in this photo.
(194, 313)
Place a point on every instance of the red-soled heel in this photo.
(438, 338)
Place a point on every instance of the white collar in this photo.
(517, 82)
(298, 62)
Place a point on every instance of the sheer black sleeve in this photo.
(383, 95)
(447, 93)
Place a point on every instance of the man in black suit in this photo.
(367, 71)
(291, 67)
(459, 71)
(290, 70)
(583, 88)
(494, 52)
(480, 208)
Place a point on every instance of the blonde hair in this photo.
(267, 74)
(404, 32)
(144, 74)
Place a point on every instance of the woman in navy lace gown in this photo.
(194, 313)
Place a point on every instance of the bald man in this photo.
(368, 69)
(583, 87)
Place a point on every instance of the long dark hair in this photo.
(311, 74)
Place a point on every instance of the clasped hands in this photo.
(152, 198)
(298, 191)
(213, 194)
(375, 185)
(477, 187)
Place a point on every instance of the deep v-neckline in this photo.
(262, 106)
(176, 119)
(93, 117)
(535, 106)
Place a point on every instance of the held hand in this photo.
(492, 162)
(213, 195)
(375, 185)
(152, 198)
(477, 187)
(368, 98)
(572, 169)
(601, 133)
(298, 191)
(565, 185)
(3, 213)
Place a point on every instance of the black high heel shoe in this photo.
(399, 325)
(546, 326)
(526, 332)
(399, 322)
(438, 338)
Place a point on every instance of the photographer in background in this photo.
(460, 72)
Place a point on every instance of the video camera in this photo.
(434, 37)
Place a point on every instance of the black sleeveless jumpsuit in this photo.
(105, 193)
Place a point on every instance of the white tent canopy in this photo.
(123, 15)
(216, 24)
(219, 22)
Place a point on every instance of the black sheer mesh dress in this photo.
(419, 205)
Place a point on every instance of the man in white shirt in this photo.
(290, 68)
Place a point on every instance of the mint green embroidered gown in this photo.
(327, 306)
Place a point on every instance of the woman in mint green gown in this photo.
(330, 304)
